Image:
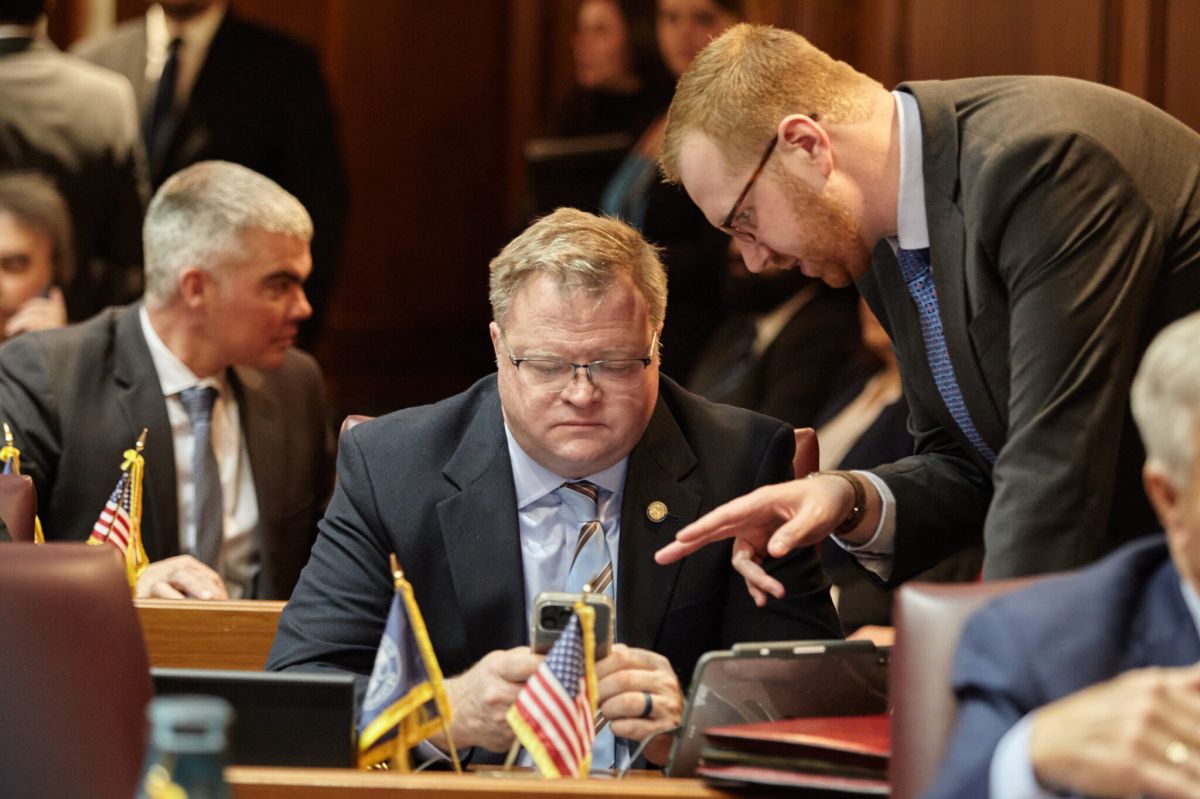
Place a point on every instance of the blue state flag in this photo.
(405, 700)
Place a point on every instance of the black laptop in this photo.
(280, 718)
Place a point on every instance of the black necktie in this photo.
(161, 120)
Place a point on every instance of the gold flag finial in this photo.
(8, 439)
(141, 442)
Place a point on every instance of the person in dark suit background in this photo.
(76, 124)
(470, 495)
(226, 257)
(1047, 227)
(241, 93)
(1087, 683)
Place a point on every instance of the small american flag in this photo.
(553, 714)
(113, 525)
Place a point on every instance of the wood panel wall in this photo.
(436, 100)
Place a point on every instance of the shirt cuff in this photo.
(1011, 774)
(876, 554)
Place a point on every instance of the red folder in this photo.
(867, 736)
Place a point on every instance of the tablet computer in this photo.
(281, 718)
(769, 681)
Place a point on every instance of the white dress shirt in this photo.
(239, 562)
(196, 34)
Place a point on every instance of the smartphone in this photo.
(552, 610)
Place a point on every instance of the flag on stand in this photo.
(120, 523)
(406, 700)
(554, 715)
(10, 456)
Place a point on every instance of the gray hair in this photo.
(197, 218)
(1166, 399)
(584, 253)
(32, 199)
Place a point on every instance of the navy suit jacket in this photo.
(434, 485)
(1040, 644)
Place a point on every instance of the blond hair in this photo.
(584, 253)
(749, 78)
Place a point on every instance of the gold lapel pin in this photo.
(656, 511)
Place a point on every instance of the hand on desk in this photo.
(623, 679)
(480, 696)
(1136, 735)
(774, 520)
(181, 577)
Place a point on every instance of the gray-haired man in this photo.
(205, 362)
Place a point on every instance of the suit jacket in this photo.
(1045, 642)
(78, 397)
(77, 124)
(259, 100)
(434, 485)
(1064, 230)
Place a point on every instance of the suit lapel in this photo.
(481, 534)
(263, 424)
(659, 470)
(140, 396)
(948, 255)
(1168, 632)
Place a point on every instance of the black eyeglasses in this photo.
(554, 374)
(727, 224)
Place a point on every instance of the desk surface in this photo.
(187, 633)
(261, 782)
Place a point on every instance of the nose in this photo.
(581, 390)
(301, 309)
(756, 255)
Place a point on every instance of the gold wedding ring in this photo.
(1177, 753)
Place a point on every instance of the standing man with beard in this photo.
(1021, 239)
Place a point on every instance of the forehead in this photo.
(703, 171)
(544, 303)
(263, 253)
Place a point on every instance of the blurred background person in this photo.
(36, 257)
(77, 124)
(693, 250)
(213, 86)
(784, 338)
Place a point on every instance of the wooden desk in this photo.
(261, 782)
(186, 633)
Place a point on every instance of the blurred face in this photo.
(583, 428)
(603, 58)
(26, 265)
(684, 27)
(791, 224)
(257, 302)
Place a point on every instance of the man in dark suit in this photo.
(77, 125)
(471, 495)
(1021, 239)
(1087, 683)
(240, 93)
(226, 257)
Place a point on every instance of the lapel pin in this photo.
(656, 511)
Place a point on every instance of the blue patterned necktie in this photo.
(918, 276)
(207, 505)
(591, 572)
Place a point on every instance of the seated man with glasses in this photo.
(494, 495)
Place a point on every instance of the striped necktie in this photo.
(918, 276)
(207, 504)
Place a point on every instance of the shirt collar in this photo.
(1192, 600)
(173, 374)
(534, 481)
(197, 33)
(912, 225)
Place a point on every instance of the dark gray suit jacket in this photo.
(78, 397)
(1064, 228)
(259, 100)
(434, 485)
(77, 124)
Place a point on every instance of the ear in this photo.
(801, 135)
(195, 285)
(1163, 495)
(494, 332)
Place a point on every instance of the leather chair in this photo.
(929, 619)
(18, 505)
(76, 678)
